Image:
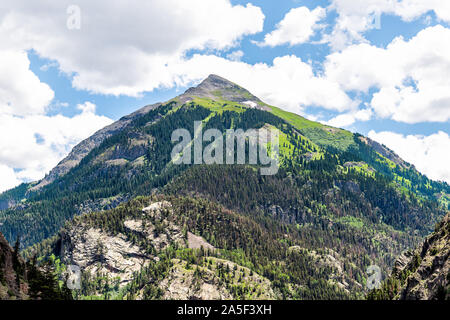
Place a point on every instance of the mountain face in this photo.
(24, 281)
(11, 270)
(339, 203)
(214, 87)
(147, 252)
(87, 145)
(422, 274)
(217, 88)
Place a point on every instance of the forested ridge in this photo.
(336, 194)
(268, 249)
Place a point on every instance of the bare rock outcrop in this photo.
(431, 278)
(215, 87)
(95, 252)
(205, 283)
(12, 285)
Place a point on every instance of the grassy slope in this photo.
(320, 134)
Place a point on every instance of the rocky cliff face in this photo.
(5, 204)
(12, 273)
(428, 267)
(422, 274)
(203, 283)
(121, 257)
(386, 152)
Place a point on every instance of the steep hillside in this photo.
(166, 247)
(422, 274)
(337, 195)
(24, 281)
(12, 273)
(83, 148)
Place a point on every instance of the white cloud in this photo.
(123, 46)
(429, 154)
(31, 142)
(297, 27)
(21, 91)
(235, 55)
(8, 178)
(356, 17)
(146, 49)
(412, 76)
(288, 82)
(87, 107)
(347, 119)
(39, 142)
(413, 9)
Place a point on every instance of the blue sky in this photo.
(88, 65)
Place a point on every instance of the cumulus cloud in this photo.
(235, 55)
(356, 17)
(429, 154)
(411, 76)
(8, 178)
(347, 119)
(147, 48)
(21, 91)
(123, 46)
(297, 27)
(31, 142)
(39, 142)
(288, 82)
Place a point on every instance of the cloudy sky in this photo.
(68, 68)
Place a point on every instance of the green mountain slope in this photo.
(334, 191)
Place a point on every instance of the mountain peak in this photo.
(218, 88)
(215, 81)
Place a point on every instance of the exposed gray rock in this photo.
(84, 147)
(160, 240)
(215, 87)
(181, 284)
(194, 282)
(402, 262)
(155, 208)
(6, 204)
(101, 204)
(94, 251)
(431, 279)
(99, 253)
(427, 269)
(197, 242)
(386, 152)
